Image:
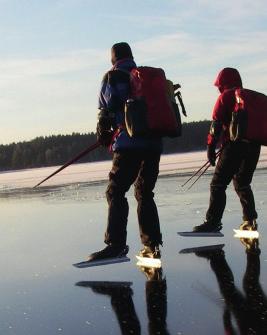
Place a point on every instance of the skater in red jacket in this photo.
(237, 161)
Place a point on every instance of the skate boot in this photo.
(150, 252)
(149, 256)
(208, 227)
(247, 230)
(109, 253)
(249, 225)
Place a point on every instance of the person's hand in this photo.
(211, 153)
(104, 137)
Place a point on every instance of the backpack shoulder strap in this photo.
(118, 75)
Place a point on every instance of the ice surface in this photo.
(44, 232)
(93, 172)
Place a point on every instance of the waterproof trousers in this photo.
(237, 162)
(140, 168)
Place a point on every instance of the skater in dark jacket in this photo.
(237, 161)
(135, 160)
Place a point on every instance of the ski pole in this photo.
(199, 177)
(188, 180)
(203, 166)
(76, 158)
(202, 172)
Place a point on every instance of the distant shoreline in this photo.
(56, 150)
(93, 173)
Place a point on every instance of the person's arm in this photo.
(114, 92)
(216, 127)
(105, 117)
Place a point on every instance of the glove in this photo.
(211, 154)
(104, 132)
(104, 137)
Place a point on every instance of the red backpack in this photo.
(151, 109)
(249, 119)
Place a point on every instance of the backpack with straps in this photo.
(151, 109)
(249, 118)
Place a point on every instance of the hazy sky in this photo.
(53, 55)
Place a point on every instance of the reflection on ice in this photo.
(203, 248)
(249, 310)
(121, 294)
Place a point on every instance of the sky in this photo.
(54, 53)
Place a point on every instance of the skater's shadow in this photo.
(249, 309)
(122, 304)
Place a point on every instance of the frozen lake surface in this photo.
(98, 171)
(45, 231)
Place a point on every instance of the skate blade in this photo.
(148, 262)
(88, 264)
(197, 234)
(204, 248)
(246, 233)
(107, 284)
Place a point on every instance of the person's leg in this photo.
(147, 210)
(123, 173)
(243, 178)
(227, 166)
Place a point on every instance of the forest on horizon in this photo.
(57, 149)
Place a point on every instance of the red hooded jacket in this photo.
(227, 81)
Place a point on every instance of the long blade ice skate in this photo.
(87, 264)
(203, 248)
(246, 233)
(148, 262)
(200, 234)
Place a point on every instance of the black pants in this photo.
(140, 168)
(237, 162)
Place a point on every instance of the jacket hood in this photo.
(228, 78)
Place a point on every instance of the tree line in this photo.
(57, 149)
